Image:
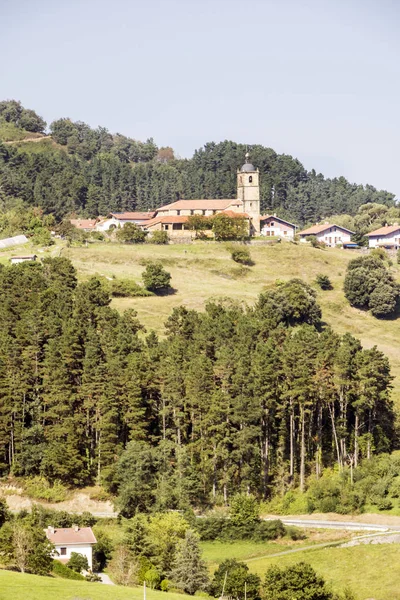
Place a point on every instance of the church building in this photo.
(173, 217)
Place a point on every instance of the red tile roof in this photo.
(265, 217)
(201, 204)
(232, 213)
(320, 228)
(386, 230)
(70, 535)
(166, 219)
(134, 216)
(83, 223)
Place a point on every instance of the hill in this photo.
(21, 586)
(92, 171)
(205, 270)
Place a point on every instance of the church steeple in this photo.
(248, 190)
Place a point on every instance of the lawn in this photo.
(372, 572)
(19, 586)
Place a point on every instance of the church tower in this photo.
(248, 190)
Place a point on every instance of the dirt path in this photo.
(29, 139)
(367, 519)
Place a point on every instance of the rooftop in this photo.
(386, 230)
(70, 535)
(201, 204)
(322, 227)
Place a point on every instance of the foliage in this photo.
(189, 571)
(369, 284)
(244, 510)
(236, 577)
(291, 303)
(379, 253)
(323, 281)
(126, 288)
(315, 243)
(13, 112)
(131, 233)
(4, 512)
(156, 278)
(123, 567)
(78, 562)
(102, 551)
(241, 255)
(229, 228)
(26, 546)
(199, 223)
(217, 528)
(39, 488)
(61, 570)
(299, 581)
(158, 237)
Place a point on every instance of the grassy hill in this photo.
(20, 586)
(204, 270)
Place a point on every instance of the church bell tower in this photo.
(248, 190)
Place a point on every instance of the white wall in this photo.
(278, 230)
(393, 239)
(85, 549)
(333, 238)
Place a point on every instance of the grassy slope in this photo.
(204, 270)
(20, 586)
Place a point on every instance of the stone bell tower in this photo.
(248, 190)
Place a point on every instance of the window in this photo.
(203, 212)
(63, 551)
(192, 212)
(177, 226)
(285, 232)
(272, 224)
(166, 226)
(178, 212)
(251, 179)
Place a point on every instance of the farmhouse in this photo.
(26, 258)
(273, 226)
(84, 224)
(385, 237)
(72, 539)
(329, 234)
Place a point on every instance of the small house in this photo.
(273, 226)
(72, 539)
(84, 224)
(385, 237)
(26, 258)
(115, 220)
(329, 234)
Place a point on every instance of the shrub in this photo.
(379, 253)
(93, 577)
(385, 504)
(125, 288)
(158, 237)
(298, 581)
(61, 570)
(324, 282)
(40, 489)
(131, 233)
(234, 584)
(164, 585)
(229, 228)
(242, 256)
(314, 242)
(295, 533)
(78, 562)
(155, 278)
(244, 510)
(398, 256)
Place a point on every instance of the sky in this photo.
(316, 79)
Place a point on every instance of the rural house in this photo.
(72, 539)
(329, 234)
(273, 226)
(114, 220)
(84, 224)
(385, 237)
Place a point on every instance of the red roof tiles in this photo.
(320, 228)
(386, 230)
(70, 535)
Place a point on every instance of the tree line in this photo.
(91, 172)
(233, 399)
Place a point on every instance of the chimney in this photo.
(75, 527)
(50, 529)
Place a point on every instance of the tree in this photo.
(298, 581)
(124, 567)
(78, 562)
(244, 510)
(242, 256)
(159, 237)
(27, 547)
(131, 233)
(155, 278)
(229, 228)
(189, 572)
(369, 284)
(165, 531)
(232, 579)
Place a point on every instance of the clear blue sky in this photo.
(317, 79)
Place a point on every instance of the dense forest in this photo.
(233, 399)
(91, 171)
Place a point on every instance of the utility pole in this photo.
(144, 590)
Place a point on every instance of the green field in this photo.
(20, 586)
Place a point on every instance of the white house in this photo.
(84, 224)
(329, 234)
(114, 220)
(72, 539)
(273, 226)
(18, 259)
(385, 237)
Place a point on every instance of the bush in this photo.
(155, 278)
(158, 237)
(295, 534)
(314, 242)
(242, 256)
(125, 288)
(244, 510)
(379, 253)
(298, 581)
(61, 570)
(229, 228)
(78, 562)
(40, 489)
(131, 233)
(93, 577)
(324, 282)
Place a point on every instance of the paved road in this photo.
(348, 525)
